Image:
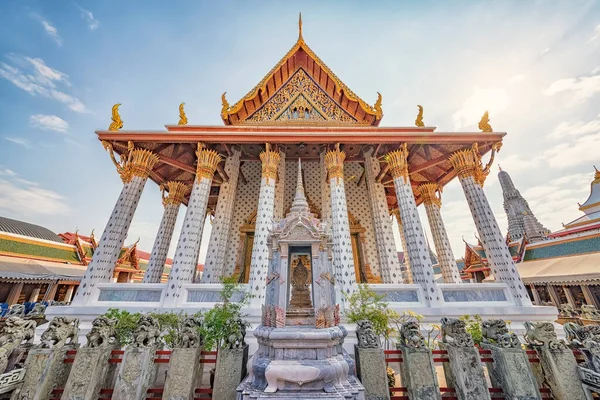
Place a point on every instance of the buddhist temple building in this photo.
(559, 267)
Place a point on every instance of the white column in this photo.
(158, 257)
(416, 246)
(69, 293)
(384, 236)
(134, 169)
(325, 192)
(35, 293)
(51, 291)
(343, 259)
(536, 295)
(432, 199)
(214, 266)
(185, 260)
(407, 273)
(15, 293)
(280, 188)
(472, 174)
(259, 264)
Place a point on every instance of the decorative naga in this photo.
(116, 123)
(367, 338)
(60, 330)
(419, 121)
(541, 334)
(496, 332)
(484, 123)
(103, 333)
(182, 117)
(454, 333)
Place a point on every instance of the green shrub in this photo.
(126, 324)
(473, 326)
(171, 325)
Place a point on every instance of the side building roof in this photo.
(26, 229)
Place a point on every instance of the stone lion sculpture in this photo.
(541, 334)
(60, 330)
(147, 333)
(103, 333)
(410, 335)
(38, 311)
(236, 339)
(496, 332)
(367, 338)
(576, 333)
(189, 337)
(17, 310)
(594, 348)
(566, 311)
(15, 332)
(589, 312)
(454, 333)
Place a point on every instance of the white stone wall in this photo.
(105, 257)
(156, 264)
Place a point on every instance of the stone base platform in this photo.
(244, 393)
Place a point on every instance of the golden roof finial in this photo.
(116, 119)
(377, 106)
(596, 176)
(419, 121)
(182, 117)
(300, 28)
(484, 123)
(225, 107)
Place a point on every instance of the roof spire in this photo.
(300, 28)
(300, 204)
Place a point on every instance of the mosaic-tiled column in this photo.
(416, 246)
(325, 192)
(219, 235)
(472, 174)
(134, 167)
(432, 199)
(185, 260)
(384, 236)
(259, 264)
(280, 188)
(343, 259)
(158, 257)
(407, 273)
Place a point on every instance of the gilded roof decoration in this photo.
(260, 91)
(484, 123)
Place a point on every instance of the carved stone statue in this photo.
(594, 349)
(189, 337)
(496, 332)
(236, 340)
(17, 310)
(147, 333)
(410, 335)
(541, 334)
(454, 333)
(103, 333)
(567, 311)
(300, 291)
(367, 338)
(15, 333)
(38, 311)
(60, 330)
(590, 312)
(577, 334)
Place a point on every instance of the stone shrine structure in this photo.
(357, 175)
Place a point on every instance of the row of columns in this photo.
(135, 167)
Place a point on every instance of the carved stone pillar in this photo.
(259, 264)
(472, 174)
(188, 246)
(384, 237)
(407, 273)
(343, 259)
(158, 257)
(134, 167)
(219, 236)
(432, 199)
(325, 192)
(416, 246)
(280, 188)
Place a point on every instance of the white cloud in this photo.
(49, 28)
(494, 100)
(584, 150)
(89, 18)
(582, 88)
(515, 163)
(575, 129)
(7, 172)
(24, 198)
(596, 33)
(36, 78)
(545, 51)
(49, 123)
(517, 78)
(19, 141)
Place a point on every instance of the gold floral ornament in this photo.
(484, 123)
(207, 162)
(182, 117)
(431, 193)
(116, 123)
(132, 162)
(397, 160)
(270, 161)
(419, 121)
(334, 161)
(173, 192)
(468, 163)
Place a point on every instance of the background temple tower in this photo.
(521, 221)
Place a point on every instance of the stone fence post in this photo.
(232, 360)
(370, 363)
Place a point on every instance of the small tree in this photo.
(171, 325)
(473, 326)
(126, 324)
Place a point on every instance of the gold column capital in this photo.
(334, 161)
(176, 192)
(207, 162)
(270, 160)
(468, 163)
(398, 162)
(132, 162)
(396, 213)
(431, 193)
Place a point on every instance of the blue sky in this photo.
(535, 65)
